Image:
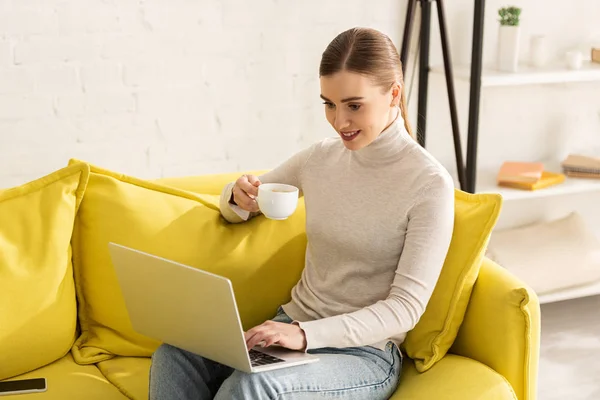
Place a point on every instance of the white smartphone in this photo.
(22, 386)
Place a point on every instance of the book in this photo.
(576, 174)
(520, 172)
(596, 55)
(589, 171)
(547, 179)
(580, 166)
(581, 161)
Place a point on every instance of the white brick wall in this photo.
(5, 53)
(174, 87)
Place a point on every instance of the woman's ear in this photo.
(396, 94)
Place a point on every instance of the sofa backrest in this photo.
(262, 258)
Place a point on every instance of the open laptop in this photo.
(193, 310)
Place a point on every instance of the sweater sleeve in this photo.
(289, 172)
(428, 235)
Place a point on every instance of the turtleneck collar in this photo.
(388, 146)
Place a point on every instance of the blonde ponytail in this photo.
(404, 113)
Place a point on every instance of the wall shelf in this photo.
(589, 72)
(569, 294)
(486, 183)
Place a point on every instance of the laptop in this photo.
(193, 310)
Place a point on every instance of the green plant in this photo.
(509, 16)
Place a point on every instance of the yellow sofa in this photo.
(495, 355)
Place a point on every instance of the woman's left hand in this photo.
(290, 336)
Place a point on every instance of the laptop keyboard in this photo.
(258, 358)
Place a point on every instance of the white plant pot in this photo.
(508, 48)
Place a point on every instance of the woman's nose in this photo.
(341, 121)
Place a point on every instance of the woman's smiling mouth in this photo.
(350, 135)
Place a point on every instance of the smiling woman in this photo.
(358, 119)
(379, 220)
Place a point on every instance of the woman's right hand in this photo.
(245, 191)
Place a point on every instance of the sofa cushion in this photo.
(549, 246)
(181, 226)
(37, 294)
(130, 374)
(67, 380)
(453, 377)
(475, 217)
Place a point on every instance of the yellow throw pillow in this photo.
(37, 295)
(263, 258)
(432, 337)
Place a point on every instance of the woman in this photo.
(379, 219)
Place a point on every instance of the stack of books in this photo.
(527, 176)
(581, 166)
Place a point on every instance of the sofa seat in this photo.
(67, 380)
(129, 374)
(453, 377)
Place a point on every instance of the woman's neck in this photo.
(389, 145)
(393, 116)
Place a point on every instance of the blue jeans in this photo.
(347, 373)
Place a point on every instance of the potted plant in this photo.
(509, 38)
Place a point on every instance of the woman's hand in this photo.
(290, 336)
(245, 191)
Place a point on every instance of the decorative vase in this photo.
(508, 48)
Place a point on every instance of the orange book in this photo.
(547, 179)
(520, 172)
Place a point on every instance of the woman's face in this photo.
(357, 109)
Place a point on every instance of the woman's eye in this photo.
(329, 105)
(354, 107)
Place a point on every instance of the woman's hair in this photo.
(368, 52)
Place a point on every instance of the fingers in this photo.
(254, 338)
(290, 336)
(249, 184)
(254, 181)
(264, 339)
(272, 339)
(244, 193)
(264, 333)
(243, 200)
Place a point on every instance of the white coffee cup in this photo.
(277, 200)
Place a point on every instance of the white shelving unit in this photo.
(589, 72)
(486, 182)
(570, 294)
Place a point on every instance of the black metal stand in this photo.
(425, 36)
(475, 93)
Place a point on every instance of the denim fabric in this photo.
(346, 373)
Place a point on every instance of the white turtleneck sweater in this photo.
(379, 222)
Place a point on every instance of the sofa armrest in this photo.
(502, 328)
